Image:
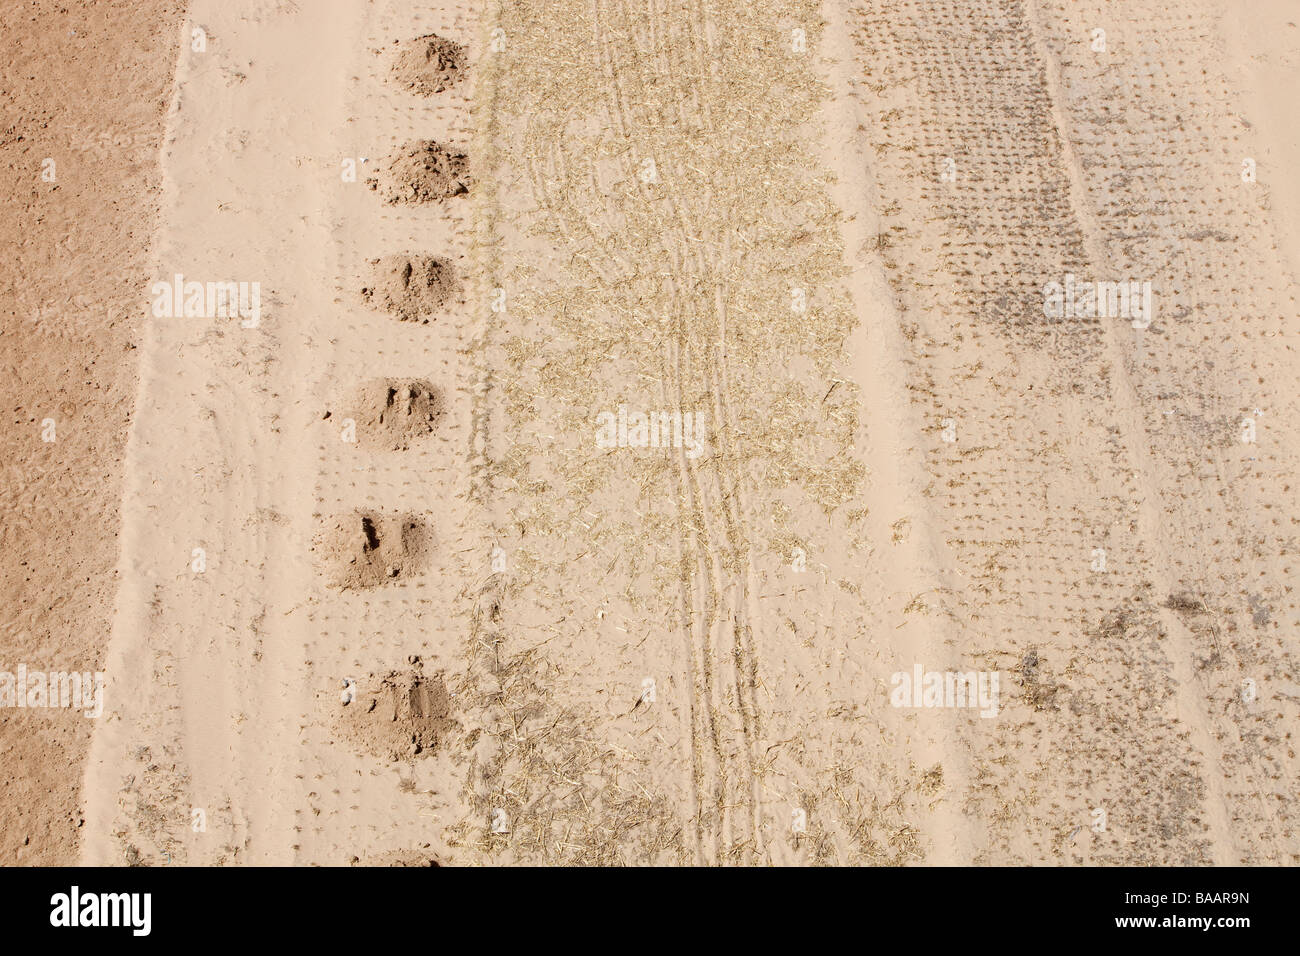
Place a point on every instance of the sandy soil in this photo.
(84, 85)
(621, 400)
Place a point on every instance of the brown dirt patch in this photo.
(423, 171)
(429, 64)
(367, 549)
(411, 288)
(392, 414)
(397, 716)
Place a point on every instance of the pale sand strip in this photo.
(918, 565)
(201, 667)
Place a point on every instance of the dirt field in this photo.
(800, 433)
(85, 86)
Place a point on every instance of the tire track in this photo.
(672, 254)
(709, 611)
(725, 605)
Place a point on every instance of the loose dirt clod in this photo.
(412, 288)
(428, 64)
(423, 171)
(367, 549)
(400, 715)
(392, 414)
